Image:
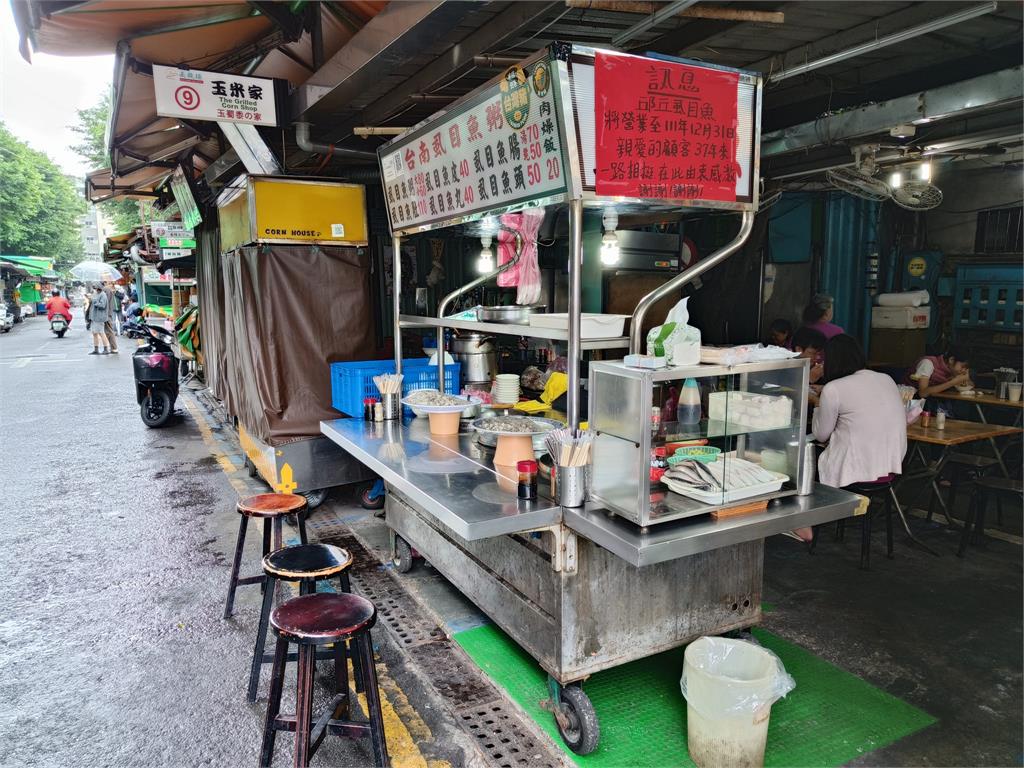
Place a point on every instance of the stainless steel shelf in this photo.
(508, 329)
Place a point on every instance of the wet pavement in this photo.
(115, 543)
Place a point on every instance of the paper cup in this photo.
(1014, 389)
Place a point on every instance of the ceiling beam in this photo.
(454, 62)
(978, 93)
(700, 12)
(688, 35)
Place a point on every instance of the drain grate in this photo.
(479, 707)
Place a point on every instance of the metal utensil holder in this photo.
(392, 406)
(571, 486)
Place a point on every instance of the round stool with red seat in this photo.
(315, 620)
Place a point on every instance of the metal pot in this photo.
(512, 314)
(478, 357)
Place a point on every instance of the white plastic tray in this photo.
(592, 326)
(717, 497)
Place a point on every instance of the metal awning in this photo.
(141, 183)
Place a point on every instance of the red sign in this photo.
(665, 130)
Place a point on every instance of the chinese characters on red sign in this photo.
(665, 130)
(503, 150)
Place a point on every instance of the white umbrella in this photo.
(94, 271)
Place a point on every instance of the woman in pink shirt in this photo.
(818, 316)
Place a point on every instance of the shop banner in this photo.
(175, 253)
(170, 229)
(666, 130)
(500, 149)
(198, 95)
(176, 242)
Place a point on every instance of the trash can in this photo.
(729, 687)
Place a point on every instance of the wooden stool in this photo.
(983, 486)
(307, 564)
(271, 508)
(311, 621)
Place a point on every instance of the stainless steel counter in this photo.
(452, 478)
(671, 540)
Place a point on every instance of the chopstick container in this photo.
(392, 405)
(572, 485)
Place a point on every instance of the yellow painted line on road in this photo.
(403, 727)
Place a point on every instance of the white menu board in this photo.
(501, 148)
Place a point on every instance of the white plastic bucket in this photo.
(730, 686)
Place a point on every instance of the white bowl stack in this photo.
(506, 389)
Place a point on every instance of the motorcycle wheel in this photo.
(60, 334)
(156, 408)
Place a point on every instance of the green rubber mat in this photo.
(830, 718)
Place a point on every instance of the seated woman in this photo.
(818, 315)
(934, 374)
(861, 415)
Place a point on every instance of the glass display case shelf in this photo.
(672, 432)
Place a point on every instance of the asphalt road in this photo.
(113, 552)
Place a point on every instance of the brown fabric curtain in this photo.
(288, 313)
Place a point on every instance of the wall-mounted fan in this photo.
(917, 195)
(860, 180)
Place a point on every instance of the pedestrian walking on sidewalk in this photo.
(108, 327)
(97, 317)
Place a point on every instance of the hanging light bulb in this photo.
(485, 263)
(924, 173)
(610, 240)
(896, 180)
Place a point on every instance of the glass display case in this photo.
(685, 441)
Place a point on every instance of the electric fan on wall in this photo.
(860, 180)
(917, 195)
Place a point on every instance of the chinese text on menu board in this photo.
(503, 150)
(665, 130)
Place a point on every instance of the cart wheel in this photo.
(369, 503)
(250, 468)
(580, 731)
(403, 555)
(316, 497)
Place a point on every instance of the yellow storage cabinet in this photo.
(279, 209)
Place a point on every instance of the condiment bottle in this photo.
(368, 408)
(688, 409)
(527, 479)
(378, 411)
(655, 419)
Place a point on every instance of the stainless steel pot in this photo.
(478, 356)
(512, 314)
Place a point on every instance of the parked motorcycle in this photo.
(59, 325)
(6, 318)
(156, 373)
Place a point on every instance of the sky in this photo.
(68, 83)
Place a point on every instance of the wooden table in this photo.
(956, 432)
(988, 399)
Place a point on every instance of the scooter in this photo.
(6, 318)
(59, 325)
(156, 373)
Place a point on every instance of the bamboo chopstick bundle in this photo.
(568, 449)
(389, 383)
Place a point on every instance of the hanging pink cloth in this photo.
(525, 274)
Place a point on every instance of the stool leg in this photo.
(303, 537)
(304, 703)
(236, 564)
(364, 646)
(965, 535)
(341, 680)
(266, 547)
(346, 587)
(888, 523)
(274, 703)
(865, 542)
(979, 517)
(261, 638)
(999, 509)
(278, 533)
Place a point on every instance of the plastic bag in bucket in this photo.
(729, 687)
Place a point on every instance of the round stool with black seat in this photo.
(315, 620)
(271, 508)
(306, 564)
(983, 488)
(879, 490)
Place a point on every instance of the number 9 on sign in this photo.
(187, 97)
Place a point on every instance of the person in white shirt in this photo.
(862, 417)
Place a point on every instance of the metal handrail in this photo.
(636, 325)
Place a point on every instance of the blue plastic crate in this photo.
(351, 383)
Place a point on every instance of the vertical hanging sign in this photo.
(666, 130)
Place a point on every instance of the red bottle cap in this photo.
(662, 451)
(527, 466)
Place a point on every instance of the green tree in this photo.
(92, 130)
(39, 204)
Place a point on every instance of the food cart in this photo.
(634, 571)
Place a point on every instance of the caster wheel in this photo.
(580, 730)
(315, 498)
(403, 560)
(368, 503)
(250, 468)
